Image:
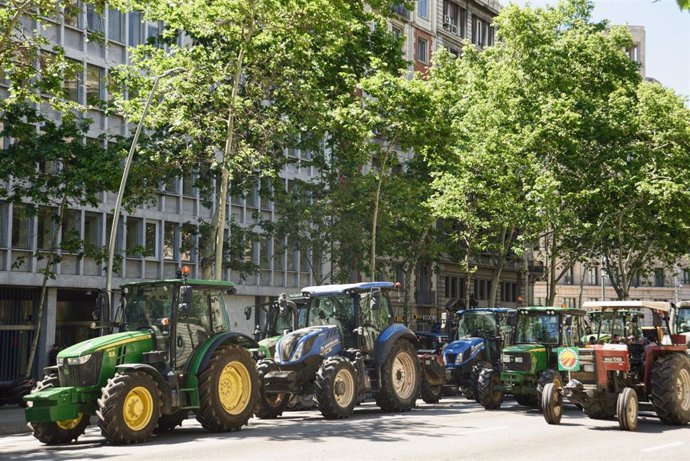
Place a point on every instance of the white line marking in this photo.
(661, 447)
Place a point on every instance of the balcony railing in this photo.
(401, 11)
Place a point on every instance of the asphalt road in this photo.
(454, 429)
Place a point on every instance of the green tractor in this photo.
(174, 353)
(276, 318)
(531, 362)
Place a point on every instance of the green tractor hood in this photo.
(104, 342)
(524, 348)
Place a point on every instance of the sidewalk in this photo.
(12, 420)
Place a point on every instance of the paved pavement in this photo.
(12, 420)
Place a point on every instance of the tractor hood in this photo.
(268, 345)
(462, 350)
(104, 342)
(524, 348)
(314, 340)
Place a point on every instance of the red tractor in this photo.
(651, 372)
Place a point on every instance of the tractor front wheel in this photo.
(489, 396)
(548, 376)
(400, 378)
(228, 390)
(430, 393)
(129, 407)
(671, 388)
(552, 403)
(57, 432)
(270, 405)
(626, 408)
(336, 388)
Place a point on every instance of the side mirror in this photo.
(248, 312)
(375, 301)
(101, 306)
(185, 298)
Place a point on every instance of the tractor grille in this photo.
(450, 359)
(516, 362)
(587, 372)
(82, 375)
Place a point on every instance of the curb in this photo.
(14, 429)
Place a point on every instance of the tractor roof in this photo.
(497, 310)
(615, 305)
(684, 304)
(220, 284)
(551, 310)
(324, 290)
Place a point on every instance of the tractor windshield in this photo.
(148, 306)
(282, 321)
(476, 324)
(540, 328)
(683, 320)
(619, 322)
(332, 310)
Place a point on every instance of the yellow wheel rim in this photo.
(138, 408)
(234, 388)
(69, 424)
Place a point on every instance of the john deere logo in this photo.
(568, 359)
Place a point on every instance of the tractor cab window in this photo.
(540, 329)
(148, 307)
(683, 320)
(194, 324)
(378, 318)
(573, 331)
(333, 310)
(477, 324)
(283, 320)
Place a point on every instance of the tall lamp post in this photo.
(123, 183)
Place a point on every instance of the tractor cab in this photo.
(681, 320)
(605, 326)
(277, 318)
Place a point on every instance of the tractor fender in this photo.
(203, 355)
(156, 375)
(388, 337)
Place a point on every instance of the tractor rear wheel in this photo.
(552, 403)
(430, 393)
(626, 408)
(671, 388)
(228, 390)
(400, 378)
(270, 404)
(129, 407)
(56, 432)
(336, 388)
(489, 396)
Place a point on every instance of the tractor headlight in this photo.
(505, 358)
(298, 352)
(81, 360)
(303, 348)
(518, 359)
(588, 367)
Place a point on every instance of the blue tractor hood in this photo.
(467, 348)
(294, 347)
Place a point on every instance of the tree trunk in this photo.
(375, 217)
(50, 260)
(551, 288)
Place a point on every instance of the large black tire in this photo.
(489, 397)
(528, 400)
(429, 393)
(400, 378)
(270, 405)
(54, 433)
(601, 409)
(336, 388)
(129, 408)
(626, 409)
(552, 403)
(546, 377)
(671, 388)
(167, 423)
(228, 390)
(474, 379)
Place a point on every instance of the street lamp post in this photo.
(123, 183)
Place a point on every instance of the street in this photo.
(453, 429)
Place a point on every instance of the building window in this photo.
(95, 88)
(187, 242)
(116, 25)
(171, 186)
(659, 277)
(92, 229)
(153, 30)
(134, 28)
(423, 9)
(634, 53)
(73, 81)
(169, 238)
(593, 276)
(686, 276)
(151, 242)
(454, 18)
(71, 14)
(188, 185)
(569, 278)
(422, 50)
(21, 225)
(44, 228)
(94, 20)
(71, 231)
(134, 237)
(569, 302)
(482, 33)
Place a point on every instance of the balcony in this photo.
(401, 11)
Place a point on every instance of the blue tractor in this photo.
(349, 348)
(477, 342)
